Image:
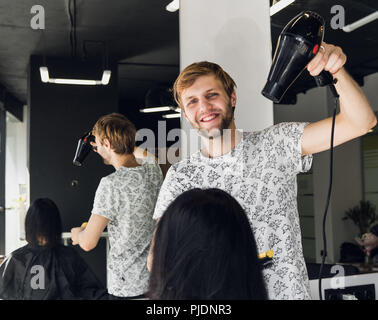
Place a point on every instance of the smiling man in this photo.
(259, 168)
(219, 117)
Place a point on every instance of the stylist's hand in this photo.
(94, 146)
(75, 235)
(329, 58)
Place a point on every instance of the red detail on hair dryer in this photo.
(316, 48)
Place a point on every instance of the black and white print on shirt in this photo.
(260, 172)
(127, 198)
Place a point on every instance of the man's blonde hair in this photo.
(119, 130)
(192, 72)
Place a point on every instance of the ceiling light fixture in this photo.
(278, 6)
(106, 77)
(173, 6)
(106, 74)
(160, 109)
(156, 109)
(44, 72)
(359, 23)
(172, 115)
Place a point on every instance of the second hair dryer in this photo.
(83, 148)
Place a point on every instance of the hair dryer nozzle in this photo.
(83, 149)
(297, 44)
(273, 91)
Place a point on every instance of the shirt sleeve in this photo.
(284, 140)
(168, 192)
(105, 202)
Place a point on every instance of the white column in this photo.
(235, 35)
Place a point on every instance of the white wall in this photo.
(237, 37)
(16, 175)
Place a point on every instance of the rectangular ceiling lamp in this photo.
(279, 6)
(44, 72)
(155, 109)
(160, 109)
(172, 115)
(173, 6)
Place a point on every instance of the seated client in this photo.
(45, 269)
(204, 248)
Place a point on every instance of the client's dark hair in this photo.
(204, 248)
(43, 221)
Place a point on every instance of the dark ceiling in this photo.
(143, 38)
(140, 35)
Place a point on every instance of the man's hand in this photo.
(94, 146)
(75, 235)
(87, 237)
(329, 58)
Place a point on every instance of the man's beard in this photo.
(225, 124)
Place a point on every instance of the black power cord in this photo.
(324, 252)
(72, 15)
(325, 78)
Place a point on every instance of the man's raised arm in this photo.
(356, 116)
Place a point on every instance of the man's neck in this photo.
(127, 161)
(222, 144)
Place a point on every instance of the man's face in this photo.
(101, 149)
(207, 106)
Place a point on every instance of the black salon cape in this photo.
(66, 275)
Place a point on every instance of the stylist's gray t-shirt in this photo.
(127, 198)
(260, 173)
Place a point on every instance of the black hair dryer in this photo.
(297, 44)
(83, 148)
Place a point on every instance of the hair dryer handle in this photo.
(326, 79)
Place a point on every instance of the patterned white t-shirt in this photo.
(127, 198)
(260, 172)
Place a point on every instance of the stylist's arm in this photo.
(87, 238)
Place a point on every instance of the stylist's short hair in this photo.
(119, 130)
